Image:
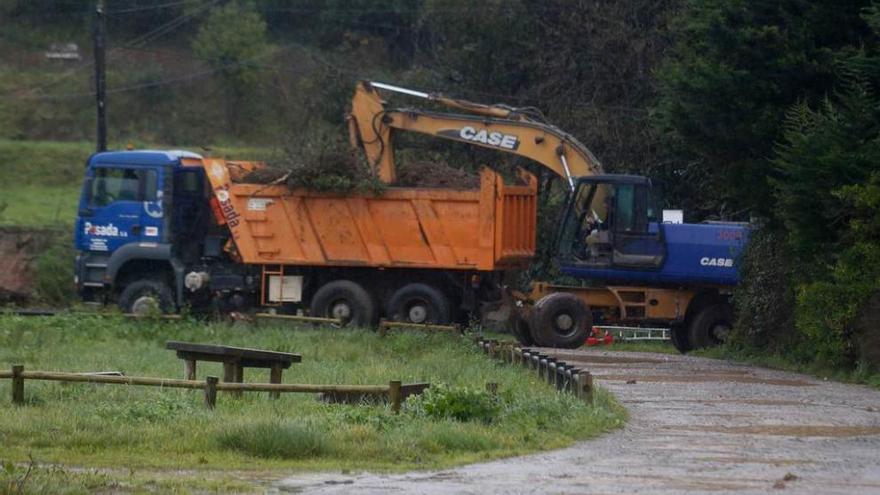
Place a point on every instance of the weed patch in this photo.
(276, 439)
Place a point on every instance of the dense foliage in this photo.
(742, 109)
(780, 101)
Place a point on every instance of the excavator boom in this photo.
(502, 128)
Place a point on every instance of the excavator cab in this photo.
(611, 222)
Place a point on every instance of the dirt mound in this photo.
(436, 174)
(19, 247)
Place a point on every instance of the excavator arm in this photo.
(498, 127)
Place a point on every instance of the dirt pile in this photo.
(19, 248)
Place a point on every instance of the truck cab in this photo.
(140, 221)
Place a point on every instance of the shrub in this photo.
(459, 403)
(53, 272)
(765, 297)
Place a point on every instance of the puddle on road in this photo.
(763, 402)
(704, 378)
(586, 358)
(789, 430)
(750, 460)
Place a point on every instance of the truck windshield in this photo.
(111, 184)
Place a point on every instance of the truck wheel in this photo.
(420, 304)
(346, 301)
(679, 335)
(710, 326)
(561, 320)
(143, 297)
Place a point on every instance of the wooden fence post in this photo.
(585, 386)
(211, 391)
(395, 395)
(17, 385)
(551, 371)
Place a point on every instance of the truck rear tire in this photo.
(146, 296)
(710, 326)
(519, 327)
(561, 320)
(346, 301)
(419, 304)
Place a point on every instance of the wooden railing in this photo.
(557, 373)
(395, 391)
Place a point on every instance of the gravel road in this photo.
(696, 425)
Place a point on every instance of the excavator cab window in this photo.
(611, 222)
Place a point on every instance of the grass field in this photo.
(142, 429)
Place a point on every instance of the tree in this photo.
(233, 41)
(826, 189)
(733, 71)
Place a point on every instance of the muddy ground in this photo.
(696, 425)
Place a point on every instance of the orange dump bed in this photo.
(482, 229)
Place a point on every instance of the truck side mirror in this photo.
(87, 195)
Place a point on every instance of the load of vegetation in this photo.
(436, 174)
(324, 162)
(327, 162)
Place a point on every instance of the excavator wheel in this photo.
(346, 301)
(419, 304)
(679, 335)
(710, 326)
(561, 320)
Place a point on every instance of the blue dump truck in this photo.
(168, 229)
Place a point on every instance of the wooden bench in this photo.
(234, 359)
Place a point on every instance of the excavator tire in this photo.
(710, 326)
(345, 300)
(561, 320)
(679, 335)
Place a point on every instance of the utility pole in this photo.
(100, 76)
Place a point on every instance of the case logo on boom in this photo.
(720, 262)
(483, 136)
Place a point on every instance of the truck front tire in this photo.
(146, 296)
(561, 320)
(346, 301)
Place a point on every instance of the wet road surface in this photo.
(696, 425)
